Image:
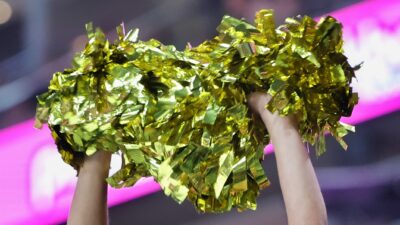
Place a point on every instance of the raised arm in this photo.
(89, 205)
(301, 192)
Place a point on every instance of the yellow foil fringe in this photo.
(182, 116)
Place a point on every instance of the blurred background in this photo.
(38, 38)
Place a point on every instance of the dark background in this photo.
(361, 186)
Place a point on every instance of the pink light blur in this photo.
(21, 143)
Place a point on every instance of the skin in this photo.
(301, 192)
(89, 204)
(300, 188)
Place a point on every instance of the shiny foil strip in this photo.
(182, 116)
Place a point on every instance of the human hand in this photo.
(273, 121)
(301, 192)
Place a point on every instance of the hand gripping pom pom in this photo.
(182, 116)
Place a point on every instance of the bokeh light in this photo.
(5, 12)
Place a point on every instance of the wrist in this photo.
(277, 124)
(99, 163)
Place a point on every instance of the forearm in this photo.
(301, 192)
(89, 204)
(300, 188)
